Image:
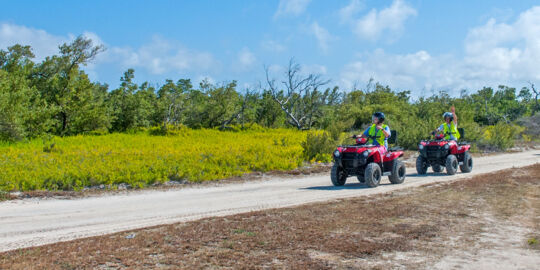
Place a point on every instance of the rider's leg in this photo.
(382, 151)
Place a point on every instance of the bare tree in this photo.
(300, 100)
(174, 110)
(370, 85)
(175, 98)
(536, 93)
(240, 113)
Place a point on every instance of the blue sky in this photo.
(416, 45)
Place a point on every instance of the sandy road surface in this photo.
(34, 222)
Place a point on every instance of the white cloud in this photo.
(500, 50)
(159, 56)
(322, 35)
(246, 58)
(275, 70)
(291, 7)
(408, 71)
(163, 56)
(391, 19)
(495, 53)
(347, 13)
(43, 44)
(313, 69)
(273, 46)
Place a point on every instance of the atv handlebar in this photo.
(367, 137)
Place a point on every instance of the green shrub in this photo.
(500, 136)
(319, 146)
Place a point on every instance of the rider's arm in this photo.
(386, 132)
(440, 129)
(365, 134)
(453, 110)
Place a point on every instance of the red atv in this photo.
(439, 153)
(365, 162)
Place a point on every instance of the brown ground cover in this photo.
(409, 228)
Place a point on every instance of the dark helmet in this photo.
(449, 115)
(379, 116)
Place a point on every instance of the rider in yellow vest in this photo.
(449, 128)
(378, 133)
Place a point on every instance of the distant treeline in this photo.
(56, 97)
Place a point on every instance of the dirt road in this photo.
(34, 222)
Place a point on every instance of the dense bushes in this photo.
(55, 96)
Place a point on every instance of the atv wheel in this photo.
(451, 164)
(436, 168)
(421, 165)
(338, 176)
(361, 179)
(372, 175)
(466, 167)
(398, 173)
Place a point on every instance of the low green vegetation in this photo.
(71, 163)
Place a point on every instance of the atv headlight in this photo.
(337, 153)
(420, 146)
(366, 153)
(446, 146)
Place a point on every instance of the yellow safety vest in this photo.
(378, 134)
(452, 130)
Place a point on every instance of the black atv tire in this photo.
(437, 168)
(373, 175)
(467, 164)
(421, 165)
(398, 173)
(451, 164)
(338, 176)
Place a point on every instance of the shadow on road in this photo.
(363, 186)
(424, 175)
(346, 186)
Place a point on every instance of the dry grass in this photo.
(355, 233)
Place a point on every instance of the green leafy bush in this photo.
(500, 136)
(319, 146)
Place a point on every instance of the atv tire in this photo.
(398, 173)
(421, 165)
(338, 176)
(467, 164)
(372, 175)
(437, 168)
(451, 164)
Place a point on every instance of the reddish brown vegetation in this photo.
(345, 230)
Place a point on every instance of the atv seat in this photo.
(461, 136)
(393, 140)
(393, 137)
